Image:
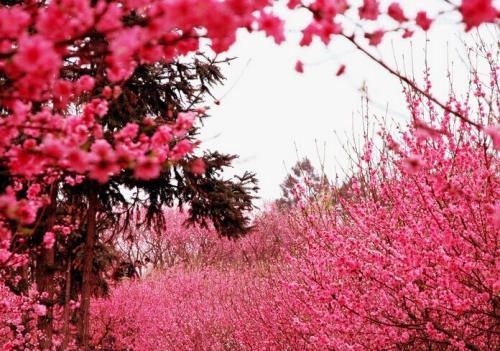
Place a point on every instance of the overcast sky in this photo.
(269, 113)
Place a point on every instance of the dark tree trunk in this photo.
(87, 280)
(66, 313)
(45, 275)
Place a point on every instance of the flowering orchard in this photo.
(402, 256)
(100, 105)
(409, 260)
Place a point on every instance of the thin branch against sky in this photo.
(268, 106)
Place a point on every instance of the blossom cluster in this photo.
(18, 319)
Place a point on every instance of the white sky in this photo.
(266, 107)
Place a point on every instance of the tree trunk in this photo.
(88, 259)
(67, 297)
(45, 275)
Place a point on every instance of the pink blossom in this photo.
(162, 136)
(40, 310)
(423, 131)
(25, 212)
(292, 4)
(198, 166)
(147, 168)
(341, 70)
(494, 133)
(370, 10)
(322, 29)
(63, 91)
(183, 123)
(65, 19)
(273, 26)
(53, 148)
(413, 163)
(111, 19)
(496, 216)
(48, 240)
(128, 132)
(299, 67)
(396, 12)
(97, 107)
(85, 84)
(14, 21)
(476, 12)
(375, 38)
(36, 55)
(407, 33)
(103, 161)
(423, 21)
(181, 149)
(70, 180)
(76, 160)
(107, 92)
(34, 190)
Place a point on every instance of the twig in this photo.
(412, 84)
